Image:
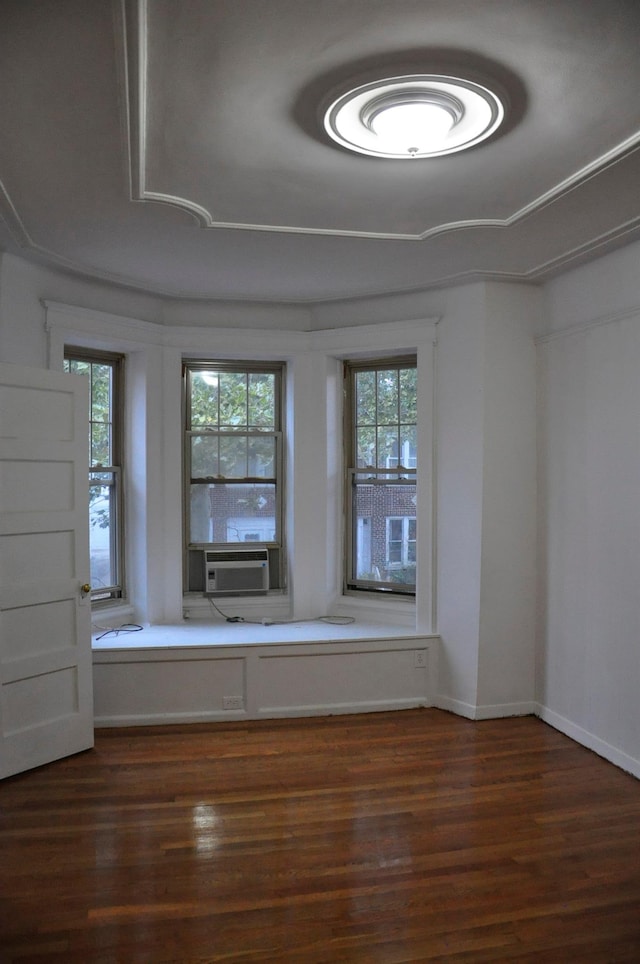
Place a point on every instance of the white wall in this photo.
(589, 618)
(506, 668)
(486, 531)
(459, 418)
(22, 314)
(598, 290)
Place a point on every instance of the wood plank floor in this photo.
(390, 837)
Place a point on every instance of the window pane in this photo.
(77, 367)
(382, 551)
(102, 521)
(200, 517)
(366, 454)
(262, 400)
(233, 399)
(408, 446)
(204, 456)
(408, 398)
(366, 398)
(387, 397)
(234, 512)
(100, 392)
(100, 443)
(387, 448)
(262, 457)
(204, 399)
(233, 457)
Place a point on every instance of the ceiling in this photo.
(177, 147)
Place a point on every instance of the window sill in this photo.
(199, 633)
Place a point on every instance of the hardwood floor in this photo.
(390, 837)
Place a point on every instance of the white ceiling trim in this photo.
(538, 273)
(583, 250)
(133, 15)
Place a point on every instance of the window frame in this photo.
(116, 362)
(377, 476)
(276, 546)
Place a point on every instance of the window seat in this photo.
(200, 671)
(205, 633)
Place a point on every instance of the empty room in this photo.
(319, 452)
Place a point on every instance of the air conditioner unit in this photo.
(236, 570)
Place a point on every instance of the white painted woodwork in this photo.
(46, 699)
(168, 674)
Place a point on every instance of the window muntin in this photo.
(233, 459)
(381, 444)
(105, 373)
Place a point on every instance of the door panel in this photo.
(46, 696)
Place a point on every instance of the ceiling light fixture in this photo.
(414, 116)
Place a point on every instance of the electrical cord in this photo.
(117, 630)
(333, 620)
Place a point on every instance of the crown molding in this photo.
(627, 314)
(134, 18)
(131, 32)
(535, 275)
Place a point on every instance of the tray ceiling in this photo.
(178, 147)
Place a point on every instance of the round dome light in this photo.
(420, 115)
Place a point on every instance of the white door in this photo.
(46, 691)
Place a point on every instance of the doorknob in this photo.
(85, 589)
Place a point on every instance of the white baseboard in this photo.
(486, 712)
(592, 742)
(498, 710)
(455, 706)
(584, 737)
(264, 713)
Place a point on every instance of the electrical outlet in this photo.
(420, 658)
(232, 703)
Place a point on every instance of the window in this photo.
(233, 461)
(401, 541)
(105, 374)
(381, 458)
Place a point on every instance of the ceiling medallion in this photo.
(419, 115)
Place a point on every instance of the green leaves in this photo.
(385, 417)
(227, 401)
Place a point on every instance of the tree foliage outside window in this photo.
(104, 372)
(381, 446)
(233, 453)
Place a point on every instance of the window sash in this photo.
(380, 434)
(106, 554)
(231, 457)
(369, 493)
